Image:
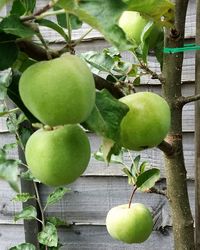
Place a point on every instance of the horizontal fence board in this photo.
(96, 237)
(8, 208)
(91, 198)
(11, 235)
(153, 156)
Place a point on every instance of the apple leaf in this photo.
(49, 24)
(131, 177)
(56, 195)
(113, 157)
(57, 222)
(28, 176)
(24, 7)
(12, 25)
(4, 83)
(8, 50)
(135, 166)
(9, 171)
(110, 149)
(23, 197)
(28, 213)
(147, 179)
(48, 236)
(161, 11)
(106, 117)
(75, 22)
(109, 61)
(23, 246)
(101, 15)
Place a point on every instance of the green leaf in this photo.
(101, 15)
(143, 167)
(113, 159)
(48, 236)
(106, 116)
(5, 80)
(23, 246)
(22, 7)
(136, 81)
(148, 179)
(54, 26)
(23, 197)
(13, 25)
(75, 22)
(28, 176)
(131, 178)
(57, 222)
(56, 195)
(109, 149)
(135, 166)
(109, 61)
(28, 213)
(9, 172)
(8, 50)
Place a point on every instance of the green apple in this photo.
(59, 91)
(59, 156)
(130, 225)
(133, 25)
(147, 122)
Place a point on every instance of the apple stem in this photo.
(130, 200)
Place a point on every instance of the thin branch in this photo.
(133, 192)
(166, 148)
(184, 100)
(39, 12)
(157, 191)
(153, 74)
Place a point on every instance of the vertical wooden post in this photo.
(31, 227)
(197, 132)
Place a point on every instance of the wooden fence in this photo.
(102, 187)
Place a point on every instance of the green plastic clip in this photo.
(187, 47)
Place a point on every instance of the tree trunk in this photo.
(174, 164)
(197, 133)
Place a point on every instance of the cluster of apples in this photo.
(144, 126)
(60, 93)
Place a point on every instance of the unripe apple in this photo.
(129, 225)
(133, 25)
(147, 122)
(59, 91)
(59, 156)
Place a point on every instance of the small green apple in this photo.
(59, 91)
(147, 122)
(59, 156)
(130, 225)
(133, 25)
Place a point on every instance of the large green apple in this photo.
(59, 156)
(59, 91)
(130, 225)
(147, 122)
(133, 25)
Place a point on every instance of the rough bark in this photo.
(197, 133)
(175, 167)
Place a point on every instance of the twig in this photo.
(130, 200)
(166, 148)
(152, 73)
(39, 203)
(184, 100)
(39, 12)
(157, 191)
